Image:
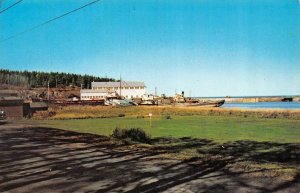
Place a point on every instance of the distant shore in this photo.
(253, 99)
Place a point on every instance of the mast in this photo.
(120, 86)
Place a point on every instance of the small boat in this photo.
(202, 104)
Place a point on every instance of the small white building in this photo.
(101, 90)
(95, 95)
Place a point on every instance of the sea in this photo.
(264, 105)
(295, 105)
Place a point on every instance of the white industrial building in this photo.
(89, 94)
(101, 90)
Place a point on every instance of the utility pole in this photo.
(155, 91)
(48, 91)
(8, 81)
(120, 86)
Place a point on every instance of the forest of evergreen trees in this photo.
(36, 79)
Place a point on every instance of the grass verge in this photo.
(84, 112)
(216, 128)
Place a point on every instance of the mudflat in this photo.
(40, 159)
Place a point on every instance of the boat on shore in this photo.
(201, 104)
(180, 100)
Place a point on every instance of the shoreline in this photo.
(252, 99)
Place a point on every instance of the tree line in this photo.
(35, 79)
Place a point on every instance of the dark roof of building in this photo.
(11, 100)
(38, 105)
(9, 91)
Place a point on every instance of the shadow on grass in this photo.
(257, 151)
(38, 158)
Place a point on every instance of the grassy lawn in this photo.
(218, 128)
(269, 146)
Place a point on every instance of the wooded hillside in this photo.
(36, 79)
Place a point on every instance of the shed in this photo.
(31, 108)
(13, 107)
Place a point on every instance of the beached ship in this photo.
(196, 103)
(180, 100)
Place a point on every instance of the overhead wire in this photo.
(49, 21)
(11, 6)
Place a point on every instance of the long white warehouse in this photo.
(126, 89)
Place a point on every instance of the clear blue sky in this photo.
(206, 47)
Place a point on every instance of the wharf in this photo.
(253, 99)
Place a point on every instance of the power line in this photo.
(49, 21)
(16, 3)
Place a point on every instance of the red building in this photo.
(12, 106)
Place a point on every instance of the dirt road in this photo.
(35, 159)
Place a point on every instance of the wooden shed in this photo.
(13, 107)
(38, 106)
(31, 108)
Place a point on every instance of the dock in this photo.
(253, 99)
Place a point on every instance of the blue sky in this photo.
(204, 47)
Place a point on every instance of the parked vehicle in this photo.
(119, 102)
(2, 117)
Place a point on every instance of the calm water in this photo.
(264, 105)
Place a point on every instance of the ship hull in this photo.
(202, 104)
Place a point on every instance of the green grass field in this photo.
(217, 128)
(266, 141)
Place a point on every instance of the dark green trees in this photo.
(40, 79)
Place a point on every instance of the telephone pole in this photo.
(120, 86)
(48, 91)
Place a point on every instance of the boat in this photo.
(201, 104)
(180, 100)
